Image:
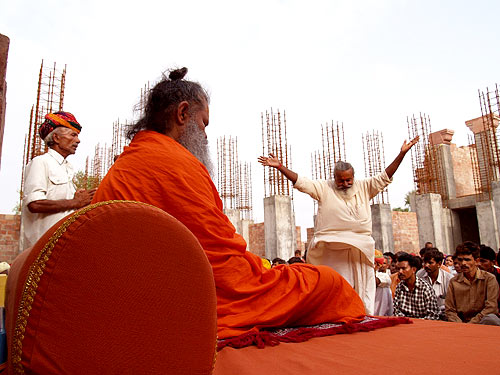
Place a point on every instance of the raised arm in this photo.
(274, 162)
(393, 167)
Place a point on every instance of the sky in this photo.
(368, 64)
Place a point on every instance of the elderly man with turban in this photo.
(49, 192)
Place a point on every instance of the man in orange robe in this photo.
(158, 169)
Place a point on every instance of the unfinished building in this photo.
(457, 190)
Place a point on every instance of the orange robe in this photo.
(155, 169)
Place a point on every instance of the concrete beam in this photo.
(487, 222)
(468, 201)
(382, 227)
(279, 224)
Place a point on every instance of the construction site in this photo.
(456, 196)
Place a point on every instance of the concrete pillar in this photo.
(487, 222)
(429, 209)
(382, 227)
(413, 203)
(452, 233)
(447, 168)
(495, 189)
(244, 229)
(234, 216)
(279, 224)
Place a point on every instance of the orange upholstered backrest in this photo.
(117, 287)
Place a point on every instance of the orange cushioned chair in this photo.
(115, 288)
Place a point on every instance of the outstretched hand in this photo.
(406, 146)
(271, 161)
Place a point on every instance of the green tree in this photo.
(401, 209)
(85, 182)
(406, 207)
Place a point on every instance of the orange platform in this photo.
(424, 347)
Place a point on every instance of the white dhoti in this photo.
(351, 264)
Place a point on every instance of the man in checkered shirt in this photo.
(414, 298)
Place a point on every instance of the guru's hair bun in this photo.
(178, 74)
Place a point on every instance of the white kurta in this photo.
(48, 176)
(343, 228)
(383, 295)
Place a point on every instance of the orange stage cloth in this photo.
(425, 347)
(157, 170)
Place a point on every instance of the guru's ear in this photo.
(182, 113)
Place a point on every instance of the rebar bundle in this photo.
(333, 150)
(97, 163)
(244, 191)
(374, 158)
(119, 138)
(426, 159)
(475, 168)
(274, 141)
(144, 98)
(227, 177)
(487, 154)
(49, 98)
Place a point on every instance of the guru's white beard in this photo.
(195, 141)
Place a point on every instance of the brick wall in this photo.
(405, 231)
(9, 237)
(257, 243)
(300, 244)
(462, 169)
(310, 234)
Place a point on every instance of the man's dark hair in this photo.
(468, 248)
(278, 261)
(162, 100)
(423, 251)
(432, 252)
(487, 252)
(390, 255)
(411, 259)
(293, 260)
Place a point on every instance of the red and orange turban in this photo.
(56, 119)
(379, 257)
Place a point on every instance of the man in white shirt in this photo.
(49, 193)
(383, 295)
(342, 232)
(438, 278)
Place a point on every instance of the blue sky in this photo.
(366, 63)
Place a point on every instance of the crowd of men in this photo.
(463, 287)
